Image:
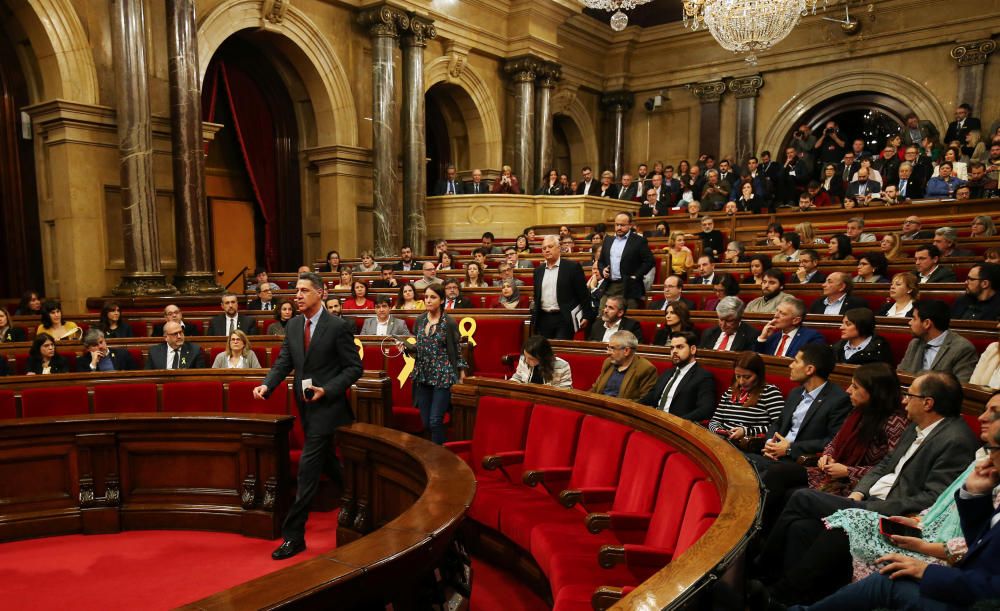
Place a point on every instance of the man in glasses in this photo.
(981, 301)
(625, 374)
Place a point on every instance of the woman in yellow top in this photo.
(681, 260)
(53, 324)
(407, 299)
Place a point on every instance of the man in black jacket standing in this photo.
(625, 260)
(687, 390)
(561, 300)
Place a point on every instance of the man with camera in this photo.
(804, 142)
(830, 145)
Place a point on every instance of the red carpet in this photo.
(496, 590)
(141, 569)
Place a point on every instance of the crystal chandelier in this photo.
(747, 26)
(619, 20)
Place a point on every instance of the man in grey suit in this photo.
(383, 324)
(934, 347)
(320, 349)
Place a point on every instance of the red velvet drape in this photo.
(253, 126)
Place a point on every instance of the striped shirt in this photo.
(755, 418)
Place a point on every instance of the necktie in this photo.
(902, 188)
(451, 188)
(666, 391)
(781, 346)
(724, 345)
(307, 337)
(176, 359)
(232, 326)
(450, 305)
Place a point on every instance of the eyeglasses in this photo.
(910, 395)
(971, 278)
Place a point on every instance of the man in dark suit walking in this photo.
(561, 299)
(320, 349)
(175, 353)
(687, 390)
(625, 260)
(231, 319)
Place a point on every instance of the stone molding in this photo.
(524, 69)
(709, 91)
(746, 86)
(974, 53)
(420, 30)
(273, 11)
(385, 21)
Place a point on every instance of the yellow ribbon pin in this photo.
(408, 363)
(361, 348)
(467, 327)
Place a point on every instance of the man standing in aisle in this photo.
(320, 349)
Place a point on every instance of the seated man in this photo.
(772, 293)
(230, 319)
(450, 185)
(981, 300)
(862, 189)
(909, 186)
(429, 278)
(175, 353)
(788, 248)
(335, 307)
(406, 262)
(453, 296)
(912, 229)
(673, 286)
(711, 237)
(732, 334)
(625, 374)
(706, 271)
(488, 246)
(934, 347)
(383, 324)
(808, 271)
(926, 260)
(507, 275)
(855, 230)
(172, 313)
(512, 259)
(388, 279)
(612, 320)
(946, 239)
(265, 299)
(687, 390)
(837, 297)
(98, 357)
(260, 274)
(784, 334)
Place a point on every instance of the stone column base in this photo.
(196, 283)
(143, 284)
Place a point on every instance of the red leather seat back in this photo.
(552, 437)
(640, 473)
(501, 426)
(649, 329)
(601, 445)
(192, 397)
(784, 384)
(402, 396)
(679, 477)
(119, 398)
(261, 355)
(214, 352)
(56, 401)
(8, 407)
(494, 338)
(585, 367)
(241, 399)
(703, 506)
(138, 328)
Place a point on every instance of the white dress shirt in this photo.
(550, 280)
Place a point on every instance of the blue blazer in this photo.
(803, 336)
(977, 576)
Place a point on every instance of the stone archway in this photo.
(913, 94)
(578, 130)
(472, 101)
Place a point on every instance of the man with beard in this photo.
(687, 390)
(981, 301)
(771, 286)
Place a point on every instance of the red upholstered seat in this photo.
(8, 407)
(214, 352)
(783, 382)
(241, 399)
(494, 338)
(138, 328)
(192, 397)
(118, 398)
(56, 401)
(649, 329)
(261, 355)
(585, 367)
(136, 354)
(501, 426)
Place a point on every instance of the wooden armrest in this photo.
(546, 476)
(496, 461)
(605, 597)
(596, 522)
(585, 496)
(610, 555)
(510, 359)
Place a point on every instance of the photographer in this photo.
(506, 182)
(803, 141)
(830, 145)
(101, 357)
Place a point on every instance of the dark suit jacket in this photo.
(257, 304)
(571, 291)
(332, 363)
(192, 357)
(694, 397)
(188, 330)
(58, 364)
(714, 240)
(816, 278)
(596, 331)
(976, 577)
(956, 355)
(850, 302)
(923, 234)
(219, 325)
(804, 336)
(595, 187)
(460, 303)
(414, 266)
(872, 188)
(120, 358)
(628, 194)
(954, 133)
(821, 423)
(636, 261)
(470, 188)
(545, 189)
(441, 187)
(877, 351)
(745, 338)
(660, 304)
(13, 334)
(943, 274)
(942, 456)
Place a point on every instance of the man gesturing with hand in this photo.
(320, 349)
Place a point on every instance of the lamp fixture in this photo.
(619, 20)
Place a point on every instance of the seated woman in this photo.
(872, 267)
(538, 365)
(681, 261)
(870, 432)
(960, 169)
(840, 248)
(445, 261)
(820, 198)
(506, 182)
(982, 227)
(238, 354)
(30, 304)
(833, 184)
(677, 318)
(758, 265)
(891, 246)
(9, 333)
(510, 297)
(346, 279)
(111, 321)
(474, 276)
(42, 357)
(807, 233)
(53, 325)
(368, 263)
(748, 201)
(522, 246)
(725, 286)
(407, 298)
(332, 263)
(903, 292)
(359, 297)
(282, 314)
(750, 406)
(858, 342)
(551, 185)
(873, 174)
(987, 372)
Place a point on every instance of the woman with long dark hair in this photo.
(53, 324)
(539, 365)
(439, 362)
(677, 319)
(112, 323)
(282, 314)
(749, 406)
(30, 304)
(840, 248)
(725, 286)
(42, 357)
(758, 264)
(359, 297)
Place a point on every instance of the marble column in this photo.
(616, 104)
(710, 95)
(194, 259)
(972, 58)
(548, 76)
(414, 42)
(745, 89)
(135, 145)
(384, 24)
(524, 70)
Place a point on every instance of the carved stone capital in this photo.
(708, 92)
(618, 101)
(142, 283)
(523, 69)
(549, 74)
(746, 86)
(975, 52)
(420, 30)
(458, 57)
(384, 21)
(273, 11)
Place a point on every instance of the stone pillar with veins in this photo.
(414, 42)
(524, 71)
(972, 58)
(710, 96)
(548, 76)
(745, 89)
(616, 104)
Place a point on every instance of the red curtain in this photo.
(253, 126)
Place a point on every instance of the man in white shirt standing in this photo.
(561, 302)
